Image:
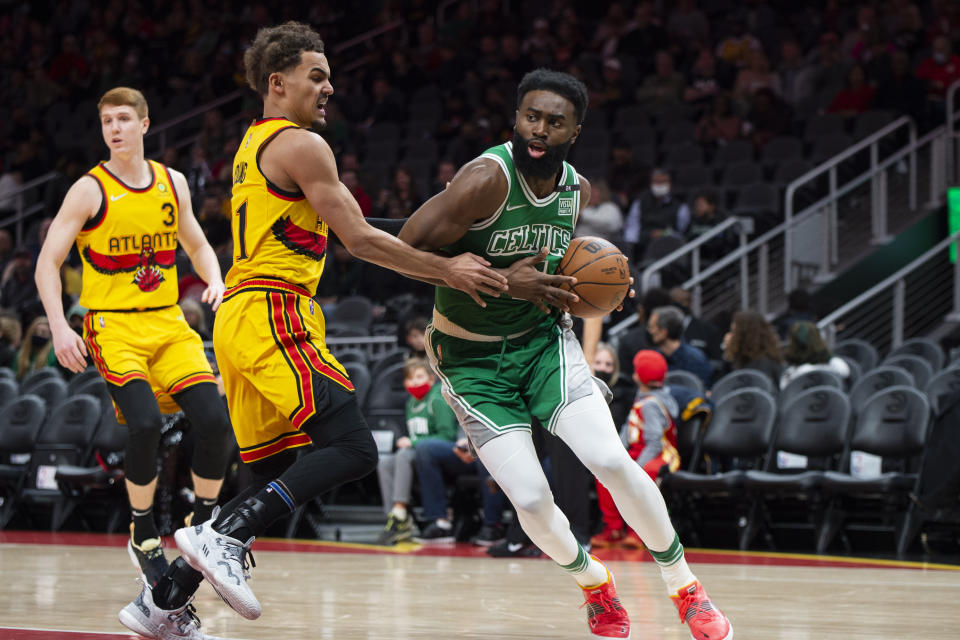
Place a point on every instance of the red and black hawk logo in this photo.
(299, 240)
(145, 265)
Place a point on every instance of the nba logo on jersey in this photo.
(565, 207)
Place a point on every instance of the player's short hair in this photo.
(276, 49)
(410, 365)
(124, 97)
(563, 84)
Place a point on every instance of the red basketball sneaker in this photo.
(605, 615)
(705, 621)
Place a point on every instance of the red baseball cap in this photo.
(650, 366)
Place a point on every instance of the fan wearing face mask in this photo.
(657, 213)
(940, 69)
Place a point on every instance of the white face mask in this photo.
(660, 190)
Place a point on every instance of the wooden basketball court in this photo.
(71, 586)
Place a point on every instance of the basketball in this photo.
(603, 278)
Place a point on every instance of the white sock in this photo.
(400, 513)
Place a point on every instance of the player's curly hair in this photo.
(278, 49)
(558, 82)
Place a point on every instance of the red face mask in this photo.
(419, 391)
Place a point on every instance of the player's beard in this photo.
(538, 168)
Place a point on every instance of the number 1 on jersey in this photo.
(242, 230)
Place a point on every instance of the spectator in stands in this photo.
(194, 316)
(75, 317)
(606, 35)
(704, 83)
(651, 441)
(199, 173)
(428, 417)
(644, 36)
(445, 172)
(36, 349)
(351, 181)
(401, 199)
(655, 214)
(611, 92)
(768, 117)
(662, 91)
(17, 288)
(856, 40)
(624, 176)
(414, 333)
(10, 183)
(939, 70)
(736, 48)
(720, 125)
(796, 75)
(665, 327)
(602, 217)
(6, 249)
(386, 104)
(10, 334)
(752, 343)
(799, 309)
(706, 216)
(856, 97)
(899, 90)
(755, 76)
(687, 25)
(606, 367)
(830, 73)
(806, 351)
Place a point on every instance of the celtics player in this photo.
(510, 362)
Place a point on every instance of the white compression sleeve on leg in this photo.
(512, 461)
(587, 428)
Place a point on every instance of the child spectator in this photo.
(651, 441)
(428, 418)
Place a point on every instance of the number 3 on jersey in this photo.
(242, 230)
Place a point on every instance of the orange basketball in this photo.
(603, 278)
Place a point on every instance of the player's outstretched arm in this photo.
(309, 163)
(81, 203)
(201, 254)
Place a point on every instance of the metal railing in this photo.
(362, 44)
(852, 209)
(909, 303)
(691, 250)
(826, 208)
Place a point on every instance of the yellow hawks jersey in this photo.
(276, 233)
(129, 248)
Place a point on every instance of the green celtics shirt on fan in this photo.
(502, 364)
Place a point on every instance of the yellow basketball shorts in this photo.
(157, 346)
(277, 372)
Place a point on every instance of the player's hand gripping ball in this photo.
(603, 279)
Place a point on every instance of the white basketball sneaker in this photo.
(146, 618)
(223, 562)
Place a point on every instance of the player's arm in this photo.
(190, 236)
(474, 194)
(309, 162)
(81, 203)
(592, 331)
